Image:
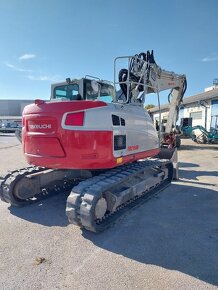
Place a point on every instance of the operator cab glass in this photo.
(90, 90)
(68, 92)
(97, 90)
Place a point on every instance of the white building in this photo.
(202, 108)
(11, 111)
(13, 107)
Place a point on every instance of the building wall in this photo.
(197, 113)
(196, 109)
(164, 115)
(200, 114)
(13, 107)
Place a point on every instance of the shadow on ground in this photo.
(177, 231)
(48, 212)
(7, 135)
(187, 164)
(194, 174)
(199, 147)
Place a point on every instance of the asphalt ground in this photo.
(169, 242)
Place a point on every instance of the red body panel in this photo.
(81, 150)
(47, 144)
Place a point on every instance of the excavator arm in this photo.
(144, 76)
(175, 99)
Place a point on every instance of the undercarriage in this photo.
(97, 198)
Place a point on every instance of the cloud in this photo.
(34, 75)
(27, 56)
(210, 58)
(11, 66)
(50, 78)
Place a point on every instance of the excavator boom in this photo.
(144, 75)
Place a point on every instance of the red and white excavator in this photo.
(96, 143)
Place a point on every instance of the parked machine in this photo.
(200, 135)
(185, 122)
(9, 126)
(96, 143)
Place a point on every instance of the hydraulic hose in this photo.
(123, 73)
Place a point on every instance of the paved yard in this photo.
(170, 242)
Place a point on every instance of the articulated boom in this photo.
(144, 76)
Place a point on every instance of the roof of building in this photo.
(196, 98)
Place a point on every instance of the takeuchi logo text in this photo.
(41, 126)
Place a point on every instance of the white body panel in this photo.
(139, 130)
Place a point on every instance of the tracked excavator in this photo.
(96, 142)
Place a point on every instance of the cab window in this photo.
(69, 92)
(103, 92)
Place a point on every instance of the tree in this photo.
(149, 106)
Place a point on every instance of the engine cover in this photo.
(86, 134)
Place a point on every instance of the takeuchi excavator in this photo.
(96, 142)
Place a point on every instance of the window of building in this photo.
(196, 115)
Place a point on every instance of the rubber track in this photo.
(81, 202)
(10, 180)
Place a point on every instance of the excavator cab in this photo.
(83, 89)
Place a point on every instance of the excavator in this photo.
(97, 142)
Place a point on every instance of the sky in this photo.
(45, 41)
